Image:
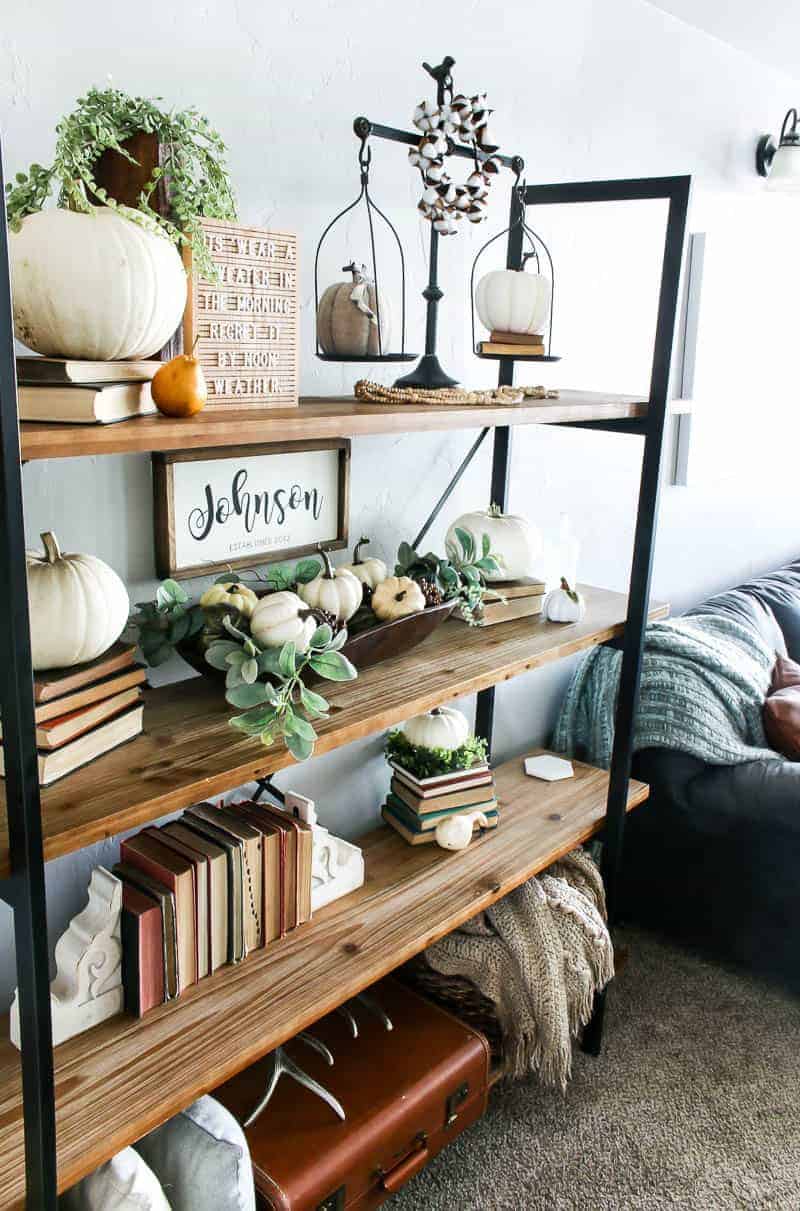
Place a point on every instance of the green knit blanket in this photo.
(704, 680)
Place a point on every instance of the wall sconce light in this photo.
(782, 163)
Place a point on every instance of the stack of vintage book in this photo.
(85, 711)
(55, 389)
(414, 806)
(514, 344)
(206, 890)
(516, 599)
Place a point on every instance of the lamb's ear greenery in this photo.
(461, 575)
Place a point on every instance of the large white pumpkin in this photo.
(511, 300)
(94, 286)
(78, 607)
(517, 544)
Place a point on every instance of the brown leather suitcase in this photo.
(406, 1092)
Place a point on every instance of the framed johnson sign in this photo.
(247, 505)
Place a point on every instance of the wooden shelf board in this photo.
(119, 1080)
(189, 752)
(314, 418)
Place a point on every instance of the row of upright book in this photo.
(206, 890)
(414, 806)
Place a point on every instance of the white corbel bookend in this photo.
(87, 988)
(337, 866)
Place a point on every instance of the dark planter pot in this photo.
(368, 646)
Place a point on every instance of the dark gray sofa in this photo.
(714, 857)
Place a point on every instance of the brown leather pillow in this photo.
(782, 709)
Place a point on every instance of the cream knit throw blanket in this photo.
(539, 955)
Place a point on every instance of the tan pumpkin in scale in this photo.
(347, 317)
(78, 606)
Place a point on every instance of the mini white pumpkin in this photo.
(564, 604)
(455, 832)
(511, 300)
(339, 592)
(443, 727)
(78, 606)
(95, 286)
(281, 618)
(517, 544)
(230, 593)
(397, 597)
(369, 571)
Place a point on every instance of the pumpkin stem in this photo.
(573, 596)
(362, 542)
(399, 596)
(51, 547)
(328, 572)
(494, 510)
(351, 268)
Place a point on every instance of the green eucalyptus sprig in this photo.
(160, 625)
(194, 171)
(279, 577)
(461, 575)
(284, 706)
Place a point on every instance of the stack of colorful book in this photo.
(516, 599)
(514, 344)
(85, 711)
(57, 389)
(414, 806)
(206, 890)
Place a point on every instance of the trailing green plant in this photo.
(160, 625)
(431, 762)
(194, 171)
(283, 706)
(461, 575)
(278, 577)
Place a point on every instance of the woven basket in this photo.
(459, 996)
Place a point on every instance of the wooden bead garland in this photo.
(443, 202)
(376, 393)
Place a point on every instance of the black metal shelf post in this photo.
(26, 888)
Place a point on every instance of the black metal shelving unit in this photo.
(25, 890)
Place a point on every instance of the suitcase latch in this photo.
(454, 1102)
(334, 1202)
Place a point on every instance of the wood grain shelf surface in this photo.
(189, 752)
(119, 1080)
(314, 418)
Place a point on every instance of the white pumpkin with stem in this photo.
(370, 571)
(94, 286)
(564, 604)
(455, 832)
(443, 727)
(511, 300)
(337, 591)
(516, 544)
(397, 597)
(78, 606)
(281, 618)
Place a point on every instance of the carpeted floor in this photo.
(694, 1104)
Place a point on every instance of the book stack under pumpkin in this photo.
(414, 806)
(514, 344)
(85, 711)
(77, 392)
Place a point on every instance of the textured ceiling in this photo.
(768, 30)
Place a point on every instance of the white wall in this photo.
(584, 90)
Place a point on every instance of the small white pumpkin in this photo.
(230, 593)
(95, 286)
(455, 832)
(397, 597)
(338, 592)
(443, 727)
(564, 604)
(369, 571)
(281, 618)
(517, 544)
(78, 607)
(511, 300)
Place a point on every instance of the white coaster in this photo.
(549, 768)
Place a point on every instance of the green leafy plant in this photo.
(279, 577)
(430, 762)
(194, 170)
(283, 706)
(461, 575)
(160, 625)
